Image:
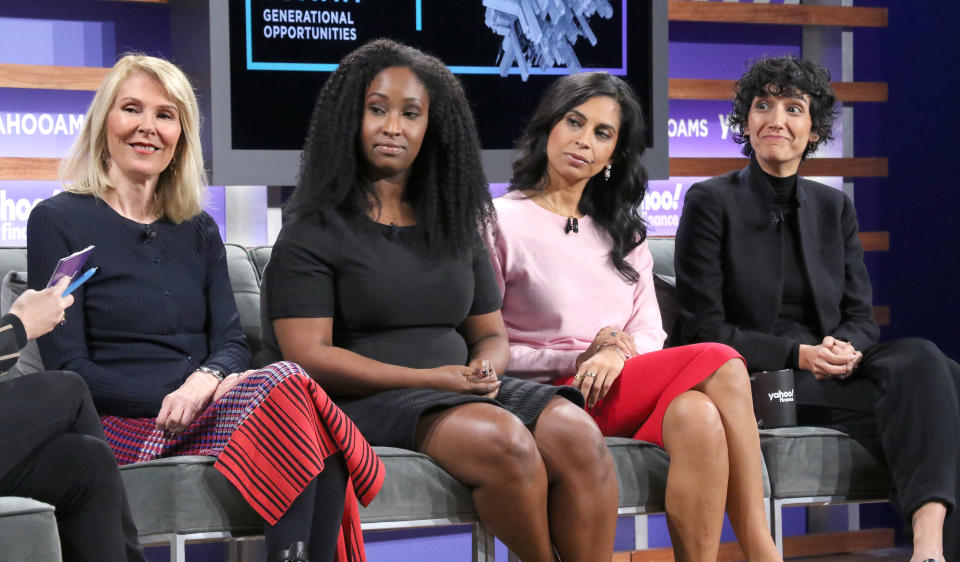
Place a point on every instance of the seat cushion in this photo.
(662, 251)
(641, 473)
(13, 259)
(28, 530)
(415, 489)
(186, 495)
(816, 461)
(665, 287)
(245, 282)
(260, 255)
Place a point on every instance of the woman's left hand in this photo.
(228, 382)
(597, 374)
(608, 335)
(183, 405)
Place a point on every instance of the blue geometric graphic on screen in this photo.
(578, 10)
(541, 33)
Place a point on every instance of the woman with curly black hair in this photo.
(380, 286)
(571, 258)
(771, 264)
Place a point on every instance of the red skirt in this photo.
(638, 399)
(270, 434)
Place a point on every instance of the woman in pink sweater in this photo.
(580, 309)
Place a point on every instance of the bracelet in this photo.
(212, 372)
(614, 347)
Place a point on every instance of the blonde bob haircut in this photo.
(181, 190)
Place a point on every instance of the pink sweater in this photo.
(560, 289)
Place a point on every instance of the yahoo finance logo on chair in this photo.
(782, 396)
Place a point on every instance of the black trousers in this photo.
(53, 450)
(914, 427)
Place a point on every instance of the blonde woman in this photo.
(156, 334)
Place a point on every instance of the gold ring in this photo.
(578, 378)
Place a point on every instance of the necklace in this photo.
(572, 223)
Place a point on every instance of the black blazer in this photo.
(730, 277)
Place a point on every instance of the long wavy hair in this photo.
(785, 76)
(446, 187)
(182, 187)
(615, 204)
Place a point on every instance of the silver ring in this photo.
(592, 375)
(614, 333)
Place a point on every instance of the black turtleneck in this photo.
(796, 302)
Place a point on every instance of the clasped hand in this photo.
(478, 377)
(831, 359)
(600, 365)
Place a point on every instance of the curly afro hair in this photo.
(446, 188)
(785, 76)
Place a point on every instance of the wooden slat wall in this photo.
(846, 167)
(783, 14)
(30, 169)
(703, 89)
(878, 241)
(51, 77)
(882, 315)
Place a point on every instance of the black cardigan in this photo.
(729, 274)
(159, 306)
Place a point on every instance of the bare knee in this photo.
(513, 450)
(498, 441)
(566, 434)
(730, 378)
(692, 420)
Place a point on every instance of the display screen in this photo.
(505, 52)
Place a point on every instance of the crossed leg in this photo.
(699, 471)
(729, 390)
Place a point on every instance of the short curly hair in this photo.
(787, 76)
(447, 188)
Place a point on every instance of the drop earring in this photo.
(606, 172)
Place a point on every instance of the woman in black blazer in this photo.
(771, 264)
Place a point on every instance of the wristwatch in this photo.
(211, 371)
